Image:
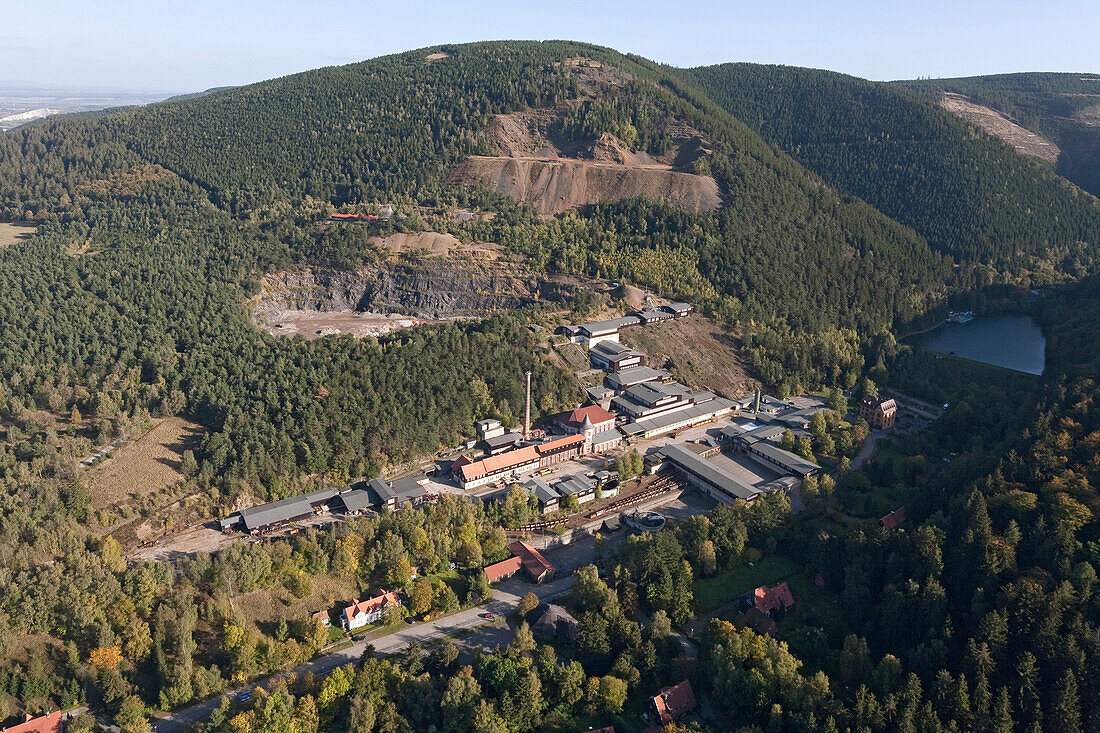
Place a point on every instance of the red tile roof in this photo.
(595, 413)
(503, 569)
(533, 561)
(500, 462)
(893, 519)
(777, 597)
(371, 605)
(49, 723)
(674, 702)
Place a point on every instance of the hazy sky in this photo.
(167, 45)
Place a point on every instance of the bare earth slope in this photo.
(553, 187)
(1023, 140)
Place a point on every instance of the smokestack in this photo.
(756, 402)
(527, 410)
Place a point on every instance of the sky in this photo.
(172, 46)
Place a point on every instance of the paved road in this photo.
(506, 597)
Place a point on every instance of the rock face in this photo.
(430, 289)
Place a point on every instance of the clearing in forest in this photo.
(144, 466)
(16, 231)
(266, 607)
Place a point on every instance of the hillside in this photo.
(1064, 108)
(969, 195)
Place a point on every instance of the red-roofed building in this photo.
(48, 723)
(771, 600)
(879, 412)
(503, 569)
(537, 566)
(596, 424)
(673, 703)
(893, 520)
(370, 611)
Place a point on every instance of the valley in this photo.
(626, 433)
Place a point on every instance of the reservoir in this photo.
(1009, 341)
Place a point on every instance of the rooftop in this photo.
(636, 375)
(712, 473)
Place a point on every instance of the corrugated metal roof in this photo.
(713, 474)
(356, 500)
(283, 510)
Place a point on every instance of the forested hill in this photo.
(1063, 107)
(968, 194)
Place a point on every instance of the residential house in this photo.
(773, 599)
(370, 611)
(893, 520)
(672, 703)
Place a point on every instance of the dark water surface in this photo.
(1009, 341)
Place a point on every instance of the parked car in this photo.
(488, 616)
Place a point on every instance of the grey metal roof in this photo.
(605, 435)
(764, 433)
(502, 440)
(677, 307)
(598, 393)
(283, 510)
(575, 484)
(542, 490)
(647, 393)
(713, 474)
(600, 328)
(356, 500)
(635, 375)
(382, 489)
(320, 496)
(408, 488)
(790, 461)
(610, 348)
(691, 412)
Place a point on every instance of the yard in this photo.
(266, 607)
(724, 588)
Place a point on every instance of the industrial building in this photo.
(611, 356)
(709, 478)
(617, 382)
(277, 513)
(658, 408)
(758, 445)
(472, 474)
(596, 424)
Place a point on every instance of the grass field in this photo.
(145, 466)
(712, 593)
(13, 232)
(265, 608)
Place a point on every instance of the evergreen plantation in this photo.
(851, 211)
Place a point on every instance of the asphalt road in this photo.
(506, 597)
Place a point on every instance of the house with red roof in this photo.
(893, 520)
(672, 703)
(537, 566)
(370, 611)
(773, 599)
(48, 723)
